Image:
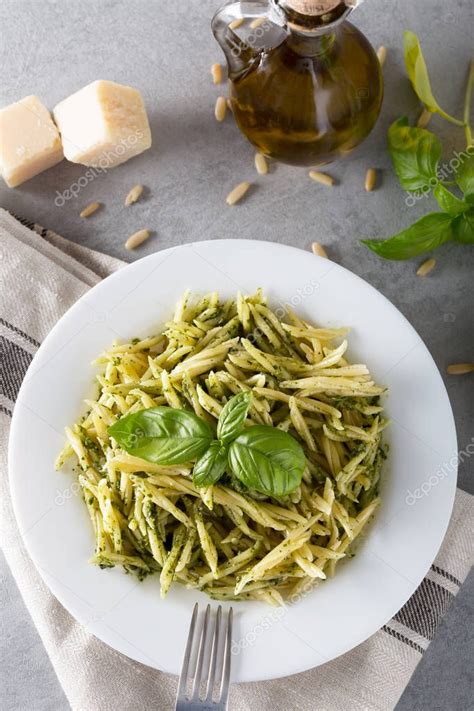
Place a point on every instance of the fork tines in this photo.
(212, 666)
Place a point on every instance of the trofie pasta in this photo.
(228, 540)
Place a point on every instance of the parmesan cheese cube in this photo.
(103, 124)
(29, 141)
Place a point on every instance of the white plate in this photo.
(418, 488)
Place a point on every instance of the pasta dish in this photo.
(236, 452)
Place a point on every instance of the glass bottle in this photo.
(305, 85)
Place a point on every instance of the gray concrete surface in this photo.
(54, 47)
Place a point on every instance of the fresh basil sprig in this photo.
(463, 227)
(448, 202)
(424, 235)
(465, 177)
(418, 73)
(163, 435)
(232, 418)
(263, 458)
(267, 460)
(212, 465)
(415, 154)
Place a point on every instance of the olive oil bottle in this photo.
(305, 84)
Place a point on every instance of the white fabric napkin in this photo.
(42, 275)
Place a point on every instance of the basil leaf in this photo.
(449, 202)
(426, 234)
(163, 435)
(211, 466)
(418, 73)
(267, 460)
(465, 177)
(463, 228)
(232, 417)
(415, 154)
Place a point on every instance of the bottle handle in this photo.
(239, 28)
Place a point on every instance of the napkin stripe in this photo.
(27, 223)
(424, 610)
(5, 410)
(14, 362)
(444, 582)
(446, 575)
(19, 332)
(402, 638)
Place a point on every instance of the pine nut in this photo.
(261, 164)
(322, 178)
(382, 55)
(426, 267)
(235, 23)
(370, 178)
(220, 108)
(229, 104)
(216, 71)
(90, 209)
(237, 193)
(257, 22)
(137, 239)
(319, 250)
(133, 195)
(424, 118)
(460, 368)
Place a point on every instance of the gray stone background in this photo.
(54, 47)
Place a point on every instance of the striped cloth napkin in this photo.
(42, 275)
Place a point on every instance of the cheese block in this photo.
(103, 124)
(29, 141)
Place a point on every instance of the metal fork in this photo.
(204, 640)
